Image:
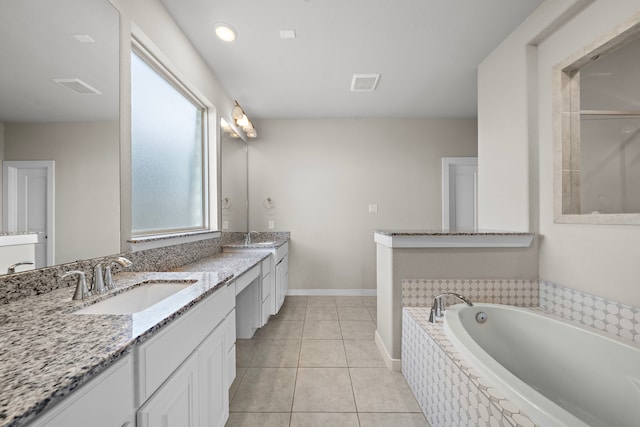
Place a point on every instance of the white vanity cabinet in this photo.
(275, 277)
(105, 401)
(183, 372)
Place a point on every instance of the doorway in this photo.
(459, 193)
(28, 204)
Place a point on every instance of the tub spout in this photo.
(437, 308)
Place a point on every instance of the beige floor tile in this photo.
(363, 354)
(349, 301)
(370, 301)
(281, 330)
(322, 354)
(321, 312)
(327, 419)
(265, 390)
(321, 301)
(253, 419)
(381, 390)
(373, 311)
(323, 390)
(276, 354)
(357, 329)
(354, 313)
(295, 300)
(236, 382)
(244, 352)
(322, 330)
(392, 420)
(290, 312)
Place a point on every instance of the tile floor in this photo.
(316, 364)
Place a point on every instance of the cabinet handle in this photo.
(126, 424)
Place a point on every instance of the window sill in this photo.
(161, 240)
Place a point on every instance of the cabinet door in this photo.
(175, 404)
(106, 401)
(213, 375)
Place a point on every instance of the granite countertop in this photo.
(48, 351)
(262, 242)
(450, 233)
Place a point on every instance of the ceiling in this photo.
(37, 44)
(427, 52)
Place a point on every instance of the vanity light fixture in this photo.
(242, 121)
(225, 32)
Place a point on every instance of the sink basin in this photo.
(137, 298)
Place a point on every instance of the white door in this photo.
(28, 203)
(459, 193)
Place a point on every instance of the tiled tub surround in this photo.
(48, 351)
(451, 371)
(448, 389)
(605, 315)
(420, 292)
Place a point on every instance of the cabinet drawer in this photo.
(230, 324)
(266, 310)
(158, 357)
(267, 283)
(247, 278)
(281, 252)
(267, 264)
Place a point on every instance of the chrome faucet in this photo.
(82, 291)
(247, 237)
(437, 308)
(97, 285)
(12, 268)
(108, 278)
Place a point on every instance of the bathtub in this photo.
(558, 373)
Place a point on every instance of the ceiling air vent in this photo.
(77, 86)
(364, 82)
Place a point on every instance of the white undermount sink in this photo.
(137, 298)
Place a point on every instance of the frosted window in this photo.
(166, 155)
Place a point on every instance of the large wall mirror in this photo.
(598, 139)
(59, 101)
(234, 196)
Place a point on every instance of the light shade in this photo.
(225, 32)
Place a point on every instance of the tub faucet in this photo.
(437, 308)
(108, 277)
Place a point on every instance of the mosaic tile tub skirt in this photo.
(449, 391)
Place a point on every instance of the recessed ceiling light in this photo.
(225, 32)
(287, 34)
(364, 82)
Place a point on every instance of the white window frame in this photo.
(154, 58)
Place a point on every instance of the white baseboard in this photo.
(392, 364)
(333, 292)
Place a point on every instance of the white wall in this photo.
(507, 121)
(1, 160)
(599, 259)
(87, 186)
(149, 21)
(515, 118)
(322, 174)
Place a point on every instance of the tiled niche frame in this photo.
(566, 128)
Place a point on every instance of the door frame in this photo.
(10, 198)
(447, 164)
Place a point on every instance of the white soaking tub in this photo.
(558, 373)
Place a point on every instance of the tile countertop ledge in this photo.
(48, 351)
(452, 239)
